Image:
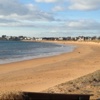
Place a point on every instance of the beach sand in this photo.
(42, 73)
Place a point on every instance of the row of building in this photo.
(79, 38)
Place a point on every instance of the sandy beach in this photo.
(42, 73)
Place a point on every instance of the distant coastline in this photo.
(25, 38)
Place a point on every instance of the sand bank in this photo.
(42, 73)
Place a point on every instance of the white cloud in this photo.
(58, 8)
(48, 1)
(12, 6)
(83, 25)
(71, 25)
(84, 4)
(13, 12)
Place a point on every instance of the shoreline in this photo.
(42, 73)
(53, 51)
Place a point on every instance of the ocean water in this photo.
(13, 51)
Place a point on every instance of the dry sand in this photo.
(42, 73)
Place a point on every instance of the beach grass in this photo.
(11, 95)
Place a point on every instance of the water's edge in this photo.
(38, 50)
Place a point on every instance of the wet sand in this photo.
(42, 73)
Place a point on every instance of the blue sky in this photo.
(50, 18)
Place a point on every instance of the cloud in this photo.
(83, 25)
(12, 6)
(74, 4)
(69, 25)
(48, 1)
(13, 12)
(58, 8)
(84, 4)
(70, 28)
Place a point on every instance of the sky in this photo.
(50, 18)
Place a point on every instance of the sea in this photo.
(13, 51)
